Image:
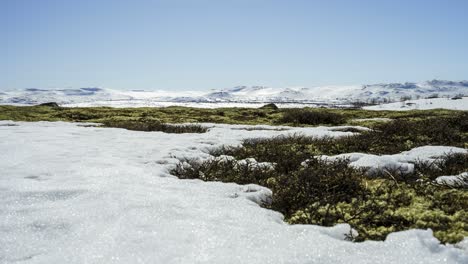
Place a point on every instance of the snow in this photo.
(424, 104)
(74, 194)
(240, 96)
(212, 105)
(402, 162)
(453, 179)
(378, 119)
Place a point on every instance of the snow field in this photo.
(424, 104)
(73, 194)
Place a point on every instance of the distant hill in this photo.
(372, 93)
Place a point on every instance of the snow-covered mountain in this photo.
(376, 92)
(454, 103)
(240, 94)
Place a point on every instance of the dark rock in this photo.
(270, 106)
(50, 104)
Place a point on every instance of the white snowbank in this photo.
(72, 194)
(402, 162)
(424, 104)
(453, 179)
(248, 162)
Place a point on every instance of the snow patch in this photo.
(453, 180)
(402, 162)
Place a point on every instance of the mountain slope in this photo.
(241, 94)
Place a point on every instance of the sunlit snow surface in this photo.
(424, 104)
(402, 162)
(74, 194)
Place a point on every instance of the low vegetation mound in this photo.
(309, 190)
(175, 114)
(50, 104)
(155, 125)
(307, 116)
(328, 193)
(270, 106)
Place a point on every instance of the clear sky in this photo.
(203, 44)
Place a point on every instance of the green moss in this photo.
(175, 114)
(388, 208)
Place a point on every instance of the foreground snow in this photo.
(454, 179)
(424, 104)
(74, 194)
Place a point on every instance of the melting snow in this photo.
(403, 162)
(453, 179)
(74, 194)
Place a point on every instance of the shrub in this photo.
(325, 193)
(50, 104)
(225, 168)
(296, 148)
(77, 115)
(316, 182)
(270, 106)
(402, 134)
(308, 190)
(311, 117)
(155, 125)
(449, 164)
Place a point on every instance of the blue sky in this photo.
(202, 44)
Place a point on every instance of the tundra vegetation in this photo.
(307, 189)
(266, 115)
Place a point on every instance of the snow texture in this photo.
(74, 194)
(402, 162)
(453, 179)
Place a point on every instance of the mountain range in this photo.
(376, 93)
